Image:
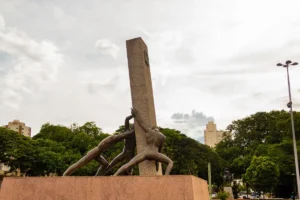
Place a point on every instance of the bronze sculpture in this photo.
(128, 150)
(95, 154)
(155, 140)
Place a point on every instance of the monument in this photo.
(149, 143)
(141, 95)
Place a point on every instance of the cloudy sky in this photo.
(65, 61)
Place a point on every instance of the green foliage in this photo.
(89, 128)
(266, 134)
(262, 174)
(190, 156)
(56, 147)
(56, 133)
(235, 189)
(222, 195)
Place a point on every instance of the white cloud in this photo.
(34, 62)
(2, 23)
(106, 87)
(107, 47)
(212, 56)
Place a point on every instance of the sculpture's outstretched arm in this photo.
(91, 155)
(139, 119)
(127, 122)
(124, 135)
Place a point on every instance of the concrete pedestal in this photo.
(229, 190)
(105, 188)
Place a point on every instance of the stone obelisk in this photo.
(142, 96)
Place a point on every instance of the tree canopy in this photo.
(262, 174)
(266, 134)
(254, 147)
(56, 147)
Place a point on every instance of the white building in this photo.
(19, 127)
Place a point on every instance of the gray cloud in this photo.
(191, 124)
(33, 62)
(195, 119)
(210, 55)
(108, 87)
(184, 55)
(107, 47)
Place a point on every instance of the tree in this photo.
(282, 154)
(77, 141)
(57, 147)
(16, 150)
(262, 134)
(89, 128)
(262, 174)
(235, 189)
(190, 156)
(6, 142)
(56, 133)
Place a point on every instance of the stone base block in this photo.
(229, 190)
(104, 188)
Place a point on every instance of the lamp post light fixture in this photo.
(290, 106)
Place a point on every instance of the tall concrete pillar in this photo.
(142, 96)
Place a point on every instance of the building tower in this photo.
(19, 127)
(211, 135)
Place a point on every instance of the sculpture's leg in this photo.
(129, 157)
(116, 160)
(136, 160)
(104, 164)
(83, 161)
(161, 158)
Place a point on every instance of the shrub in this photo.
(223, 195)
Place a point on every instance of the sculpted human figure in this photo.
(128, 151)
(155, 140)
(95, 154)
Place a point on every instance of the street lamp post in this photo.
(289, 105)
(294, 192)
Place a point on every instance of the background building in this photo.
(4, 168)
(19, 127)
(211, 135)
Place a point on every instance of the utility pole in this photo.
(209, 181)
